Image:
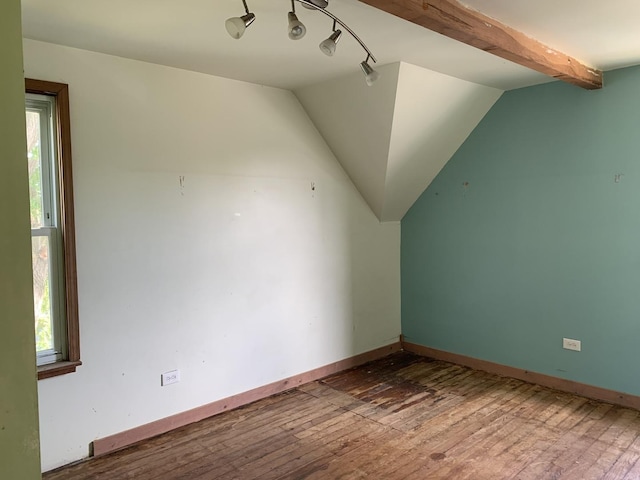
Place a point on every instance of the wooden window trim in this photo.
(67, 224)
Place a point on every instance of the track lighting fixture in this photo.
(317, 3)
(236, 27)
(370, 75)
(328, 46)
(296, 27)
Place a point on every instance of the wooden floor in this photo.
(403, 417)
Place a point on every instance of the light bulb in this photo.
(370, 75)
(297, 29)
(237, 25)
(328, 46)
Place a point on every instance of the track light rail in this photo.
(341, 23)
(236, 27)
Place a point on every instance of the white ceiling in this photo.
(190, 34)
(410, 122)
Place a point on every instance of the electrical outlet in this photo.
(168, 378)
(570, 344)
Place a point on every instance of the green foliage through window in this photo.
(40, 244)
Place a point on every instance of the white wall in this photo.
(240, 276)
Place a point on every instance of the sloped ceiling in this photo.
(356, 122)
(394, 138)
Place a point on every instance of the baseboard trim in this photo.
(562, 384)
(120, 440)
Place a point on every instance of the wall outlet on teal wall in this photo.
(571, 344)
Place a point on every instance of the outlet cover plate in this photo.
(167, 378)
(571, 344)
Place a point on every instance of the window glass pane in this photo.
(35, 168)
(42, 293)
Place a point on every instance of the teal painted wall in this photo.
(525, 237)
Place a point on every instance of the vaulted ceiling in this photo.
(393, 139)
(401, 131)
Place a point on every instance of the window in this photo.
(52, 228)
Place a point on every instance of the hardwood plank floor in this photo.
(403, 417)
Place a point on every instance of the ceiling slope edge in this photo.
(355, 121)
(434, 114)
(393, 138)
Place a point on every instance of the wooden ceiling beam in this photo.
(454, 20)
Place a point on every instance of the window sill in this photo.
(58, 368)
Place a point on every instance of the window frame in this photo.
(64, 198)
(49, 226)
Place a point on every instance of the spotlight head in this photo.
(318, 3)
(370, 75)
(328, 46)
(296, 27)
(237, 25)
